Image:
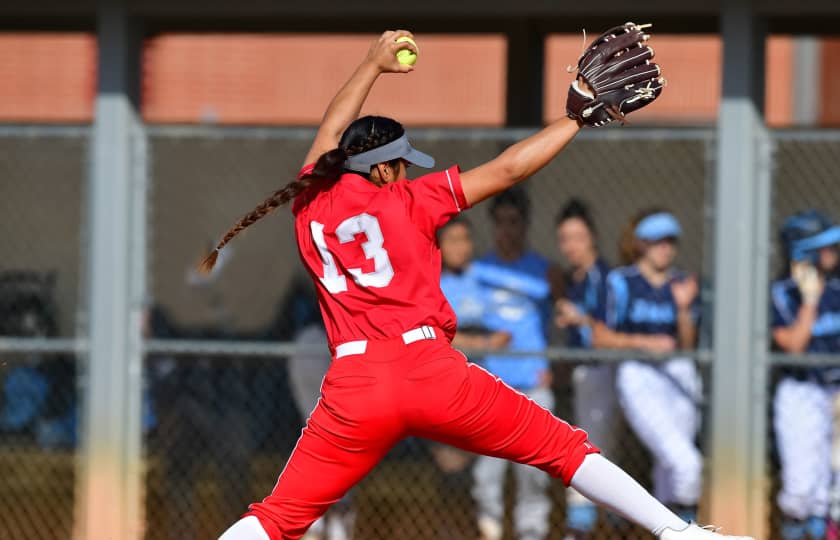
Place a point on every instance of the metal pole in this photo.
(739, 394)
(108, 491)
(806, 81)
(525, 69)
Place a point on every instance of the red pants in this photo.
(426, 389)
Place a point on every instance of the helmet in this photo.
(805, 232)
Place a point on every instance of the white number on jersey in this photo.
(346, 232)
(332, 280)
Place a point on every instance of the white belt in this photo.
(359, 347)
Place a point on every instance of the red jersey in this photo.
(373, 254)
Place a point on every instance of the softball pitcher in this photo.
(367, 237)
(806, 318)
(652, 306)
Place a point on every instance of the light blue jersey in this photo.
(467, 297)
(518, 303)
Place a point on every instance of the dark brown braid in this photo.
(276, 199)
(364, 134)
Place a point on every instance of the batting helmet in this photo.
(805, 232)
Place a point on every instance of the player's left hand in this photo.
(685, 292)
(615, 77)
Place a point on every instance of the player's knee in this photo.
(577, 451)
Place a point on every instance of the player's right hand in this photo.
(567, 314)
(659, 343)
(383, 52)
(809, 282)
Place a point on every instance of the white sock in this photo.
(247, 528)
(602, 482)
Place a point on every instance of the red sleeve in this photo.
(435, 198)
(307, 169)
(298, 203)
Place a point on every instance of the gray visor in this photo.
(399, 148)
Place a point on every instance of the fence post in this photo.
(806, 80)
(109, 502)
(524, 75)
(739, 394)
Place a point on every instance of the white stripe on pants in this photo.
(802, 424)
(665, 418)
(533, 506)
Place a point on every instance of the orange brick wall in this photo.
(830, 84)
(288, 79)
(47, 77)
(778, 98)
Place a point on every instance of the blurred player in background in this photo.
(28, 383)
(367, 237)
(652, 306)
(806, 318)
(467, 296)
(595, 409)
(470, 301)
(518, 302)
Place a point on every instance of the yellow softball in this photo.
(405, 56)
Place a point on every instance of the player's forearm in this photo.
(518, 162)
(469, 340)
(604, 337)
(686, 330)
(347, 103)
(525, 158)
(795, 338)
(465, 340)
(344, 109)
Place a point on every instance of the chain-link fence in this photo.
(225, 418)
(806, 427)
(42, 173)
(224, 400)
(203, 182)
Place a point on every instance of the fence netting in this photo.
(804, 392)
(223, 424)
(221, 418)
(42, 174)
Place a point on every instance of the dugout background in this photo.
(197, 177)
(102, 222)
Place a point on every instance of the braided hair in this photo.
(366, 133)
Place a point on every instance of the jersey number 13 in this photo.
(346, 232)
